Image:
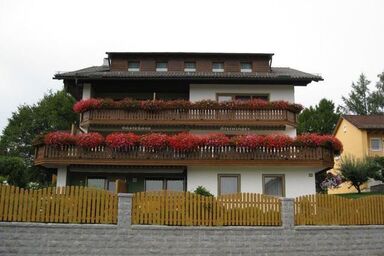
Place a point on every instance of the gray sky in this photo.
(338, 39)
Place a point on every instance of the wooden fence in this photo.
(59, 205)
(189, 209)
(336, 210)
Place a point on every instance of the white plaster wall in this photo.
(208, 91)
(290, 131)
(298, 180)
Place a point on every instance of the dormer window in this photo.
(133, 66)
(190, 67)
(161, 66)
(246, 67)
(218, 67)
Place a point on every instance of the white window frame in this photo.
(217, 69)
(162, 69)
(380, 144)
(133, 69)
(189, 69)
(245, 70)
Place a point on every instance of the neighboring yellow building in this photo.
(361, 136)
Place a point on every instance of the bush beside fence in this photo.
(189, 209)
(335, 210)
(58, 205)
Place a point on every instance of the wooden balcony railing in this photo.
(190, 117)
(227, 155)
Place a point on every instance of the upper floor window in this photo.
(133, 66)
(161, 66)
(376, 144)
(246, 67)
(218, 67)
(190, 66)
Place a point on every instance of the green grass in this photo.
(356, 195)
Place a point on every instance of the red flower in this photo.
(215, 140)
(89, 140)
(84, 105)
(121, 140)
(249, 140)
(59, 138)
(316, 140)
(154, 140)
(277, 141)
(184, 141)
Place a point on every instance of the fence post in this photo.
(124, 210)
(287, 213)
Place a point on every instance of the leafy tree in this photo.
(320, 119)
(13, 169)
(358, 171)
(379, 175)
(53, 112)
(357, 101)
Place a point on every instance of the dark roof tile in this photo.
(366, 122)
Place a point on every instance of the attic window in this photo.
(161, 66)
(190, 67)
(246, 67)
(218, 67)
(133, 66)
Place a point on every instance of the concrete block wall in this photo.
(127, 239)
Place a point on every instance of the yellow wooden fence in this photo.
(189, 209)
(336, 210)
(60, 205)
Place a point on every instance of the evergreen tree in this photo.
(357, 101)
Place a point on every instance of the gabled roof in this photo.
(363, 122)
(103, 72)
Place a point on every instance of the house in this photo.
(361, 136)
(226, 93)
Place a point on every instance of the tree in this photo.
(53, 112)
(358, 171)
(376, 99)
(13, 169)
(357, 101)
(320, 119)
(361, 101)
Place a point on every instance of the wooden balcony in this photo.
(191, 117)
(203, 156)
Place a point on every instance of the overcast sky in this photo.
(337, 39)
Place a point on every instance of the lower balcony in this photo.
(50, 155)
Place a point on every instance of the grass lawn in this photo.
(356, 195)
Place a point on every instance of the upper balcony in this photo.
(274, 115)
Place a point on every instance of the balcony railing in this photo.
(226, 155)
(222, 117)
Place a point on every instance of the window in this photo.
(160, 184)
(133, 66)
(97, 183)
(246, 67)
(112, 185)
(274, 185)
(233, 96)
(228, 184)
(218, 67)
(189, 66)
(161, 66)
(376, 144)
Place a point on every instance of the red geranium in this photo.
(84, 105)
(154, 140)
(249, 140)
(59, 138)
(277, 141)
(184, 141)
(121, 140)
(215, 140)
(89, 140)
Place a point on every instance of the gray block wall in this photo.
(127, 239)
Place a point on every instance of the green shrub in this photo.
(200, 190)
